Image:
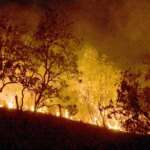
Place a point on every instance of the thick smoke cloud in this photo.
(117, 28)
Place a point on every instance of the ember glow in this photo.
(10, 104)
(114, 124)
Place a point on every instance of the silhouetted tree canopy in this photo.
(43, 64)
(133, 115)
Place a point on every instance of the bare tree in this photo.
(103, 115)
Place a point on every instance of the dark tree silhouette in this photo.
(131, 98)
(15, 56)
(55, 55)
(106, 112)
(41, 66)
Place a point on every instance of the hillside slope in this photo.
(26, 130)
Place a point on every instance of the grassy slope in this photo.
(25, 130)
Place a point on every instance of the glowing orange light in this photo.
(10, 104)
(57, 113)
(66, 114)
(114, 125)
(32, 108)
(1, 105)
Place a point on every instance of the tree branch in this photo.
(5, 84)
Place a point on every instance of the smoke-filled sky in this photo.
(116, 28)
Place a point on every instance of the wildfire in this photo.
(42, 110)
(66, 114)
(111, 124)
(114, 125)
(57, 113)
(32, 108)
(10, 105)
(88, 92)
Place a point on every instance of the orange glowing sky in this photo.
(117, 28)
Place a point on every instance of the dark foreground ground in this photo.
(25, 131)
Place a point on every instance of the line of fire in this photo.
(47, 67)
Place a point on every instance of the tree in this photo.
(15, 56)
(132, 115)
(43, 65)
(54, 52)
(71, 109)
(86, 98)
(104, 112)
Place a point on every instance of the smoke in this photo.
(26, 17)
(30, 12)
(117, 28)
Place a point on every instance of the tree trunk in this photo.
(59, 107)
(22, 99)
(17, 104)
(1, 58)
(37, 100)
